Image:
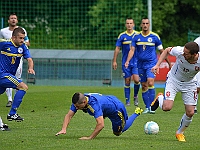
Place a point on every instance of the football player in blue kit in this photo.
(11, 53)
(101, 106)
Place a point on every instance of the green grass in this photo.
(45, 107)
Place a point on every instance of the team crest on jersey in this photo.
(20, 50)
(167, 94)
(149, 40)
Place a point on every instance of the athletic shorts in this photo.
(188, 91)
(145, 73)
(119, 119)
(8, 81)
(128, 72)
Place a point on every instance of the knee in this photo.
(23, 86)
(166, 108)
(117, 133)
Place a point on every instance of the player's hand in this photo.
(31, 71)
(114, 65)
(126, 64)
(61, 132)
(85, 138)
(155, 69)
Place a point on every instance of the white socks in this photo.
(9, 94)
(185, 122)
(160, 99)
(1, 122)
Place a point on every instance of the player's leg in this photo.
(10, 81)
(3, 127)
(190, 99)
(9, 95)
(132, 118)
(136, 80)
(151, 88)
(22, 88)
(127, 80)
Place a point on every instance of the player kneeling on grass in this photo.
(101, 106)
(181, 78)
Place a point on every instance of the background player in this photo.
(145, 44)
(124, 40)
(6, 33)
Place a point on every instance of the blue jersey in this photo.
(146, 46)
(10, 56)
(124, 41)
(103, 105)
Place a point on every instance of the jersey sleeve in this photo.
(158, 43)
(73, 108)
(176, 51)
(1, 35)
(119, 41)
(26, 52)
(197, 40)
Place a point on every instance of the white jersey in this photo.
(197, 40)
(182, 70)
(5, 33)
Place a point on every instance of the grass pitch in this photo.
(44, 108)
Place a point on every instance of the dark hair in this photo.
(193, 47)
(75, 98)
(18, 30)
(12, 14)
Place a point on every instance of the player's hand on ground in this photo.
(85, 138)
(126, 64)
(61, 132)
(31, 71)
(155, 69)
(114, 65)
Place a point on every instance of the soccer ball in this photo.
(151, 127)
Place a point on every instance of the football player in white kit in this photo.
(181, 78)
(6, 33)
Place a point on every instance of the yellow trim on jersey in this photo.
(145, 43)
(127, 42)
(125, 32)
(3, 40)
(10, 54)
(13, 80)
(122, 119)
(90, 108)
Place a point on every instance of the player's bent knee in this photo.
(117, 133)
(23, 86)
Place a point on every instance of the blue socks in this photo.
(130, 121)
(17, 101)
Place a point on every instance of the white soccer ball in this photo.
(151, 127)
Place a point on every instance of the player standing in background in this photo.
(181, 78)
(100, 106)
(124, 41)
(6, 33)
(145, 44)
(10, 56)
(197, 40)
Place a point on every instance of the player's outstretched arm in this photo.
(66, 122)
(162, 57)
(97, 130)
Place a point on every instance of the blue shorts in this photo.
(145, 73)
(119, 119)
(128, 72)
(8, 80)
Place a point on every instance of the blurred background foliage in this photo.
(96, 24)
